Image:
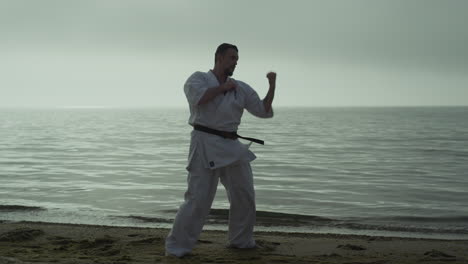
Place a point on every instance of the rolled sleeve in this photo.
(194, 88)
(255, 105)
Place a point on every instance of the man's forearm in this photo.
(210, 94)
(268, 100)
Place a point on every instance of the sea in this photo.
(384, 171)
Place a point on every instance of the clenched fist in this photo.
(228, 86)
(271, 77)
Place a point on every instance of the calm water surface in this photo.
(365, 169)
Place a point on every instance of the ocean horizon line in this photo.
(97, 107)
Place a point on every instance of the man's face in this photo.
(229, 61)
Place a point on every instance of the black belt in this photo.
(225, 134)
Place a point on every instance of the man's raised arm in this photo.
(268, 100)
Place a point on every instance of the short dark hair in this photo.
(223, 48)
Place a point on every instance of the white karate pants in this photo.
(202, 184)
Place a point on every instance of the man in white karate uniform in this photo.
(216, 103)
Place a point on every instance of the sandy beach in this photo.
(32, 242)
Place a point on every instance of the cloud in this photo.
(424, 33)
(102, 47)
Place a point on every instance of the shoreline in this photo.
(78, 243)
(447, 228)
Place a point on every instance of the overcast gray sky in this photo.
(326, 53)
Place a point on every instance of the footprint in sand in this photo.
(98, 242)
(267, 245)
(204, 241)
(438, 254)
(103, 246)
(146, 241)
(58, 240)
(351, 247)
(21, 234)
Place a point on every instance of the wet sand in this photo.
(31, 242)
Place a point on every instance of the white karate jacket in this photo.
(224, 113)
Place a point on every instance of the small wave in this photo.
(410, 224)
(225, 212)
(424, 219)
(11, 208)
(405, 224)
(401, 228)
(145, 219)
(268, 219)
